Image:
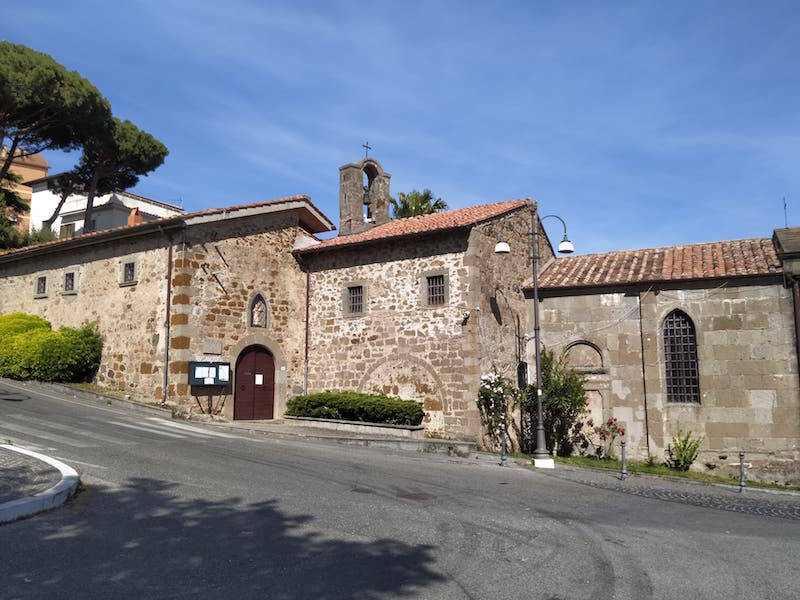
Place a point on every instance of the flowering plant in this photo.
(600, 439)
(497, 395)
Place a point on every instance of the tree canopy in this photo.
(116, 160)
(416, 203)
(44, 106)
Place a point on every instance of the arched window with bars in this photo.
(258, 312)
(680, 354)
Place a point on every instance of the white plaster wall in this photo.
(44, 202)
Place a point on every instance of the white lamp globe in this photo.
(565, 247)
(502, 247)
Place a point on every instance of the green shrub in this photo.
(563, 403)
(11, 325)
(34, 351)
(682, 452)
(355, 406)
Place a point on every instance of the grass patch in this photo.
(665, 471)
(659, 470)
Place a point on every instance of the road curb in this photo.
(46, 500)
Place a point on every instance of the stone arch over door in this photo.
(259, 338)
(409, 378)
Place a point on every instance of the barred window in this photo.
(436, 296)
(355, 299)
(41, 285)
(129, 274)
(69, 282)
(680, 353)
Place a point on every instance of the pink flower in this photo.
(615, 419)
(622, 431)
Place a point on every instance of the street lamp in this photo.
(541, 456)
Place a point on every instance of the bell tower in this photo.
(363, 196)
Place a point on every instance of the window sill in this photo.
(39, 296)
(354, 315)
(70, 293)
(127, 283)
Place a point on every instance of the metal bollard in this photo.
(624, 474)
(503, 459)
(742, 481)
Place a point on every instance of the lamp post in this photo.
(541, 456)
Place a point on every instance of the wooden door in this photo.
(255, 385)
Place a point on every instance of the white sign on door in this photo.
(259, 379)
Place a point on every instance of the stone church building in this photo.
(701, 336)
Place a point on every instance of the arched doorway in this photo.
(254, 397)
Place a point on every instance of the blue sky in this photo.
(640, 123)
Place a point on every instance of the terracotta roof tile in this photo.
(165, 221)
(733, 258)
(441, 221)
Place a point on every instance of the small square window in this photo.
(355, 299)
(436, 291)
(67, 231)
(41, 286)
(129, 273)
(69, 282)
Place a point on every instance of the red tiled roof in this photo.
(452, 219)
(734, 258)
(159, 222)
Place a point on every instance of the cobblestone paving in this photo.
(751, 502)
(22, 475)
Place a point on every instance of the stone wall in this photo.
(505, 319)
(129, 317)
(399, 346)
(750, 394)
(402, 347)
(218, 271)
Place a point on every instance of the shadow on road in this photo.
(143, 541)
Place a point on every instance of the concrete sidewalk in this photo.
(31, 483)
(293, 430)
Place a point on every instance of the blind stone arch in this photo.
(680, 357)
(585, 356)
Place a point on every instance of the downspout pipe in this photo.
(644, 377)
(308, 302)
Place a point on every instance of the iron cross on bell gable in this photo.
(367, 148)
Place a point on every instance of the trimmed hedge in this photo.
(355, 406)
(30, 349)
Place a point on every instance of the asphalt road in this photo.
(178, 510)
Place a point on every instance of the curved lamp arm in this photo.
(565, 247)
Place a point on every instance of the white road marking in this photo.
(45, 435)
(79, 462)
(61, 399)
(148, 430)
(79, 432)
(189, 428)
